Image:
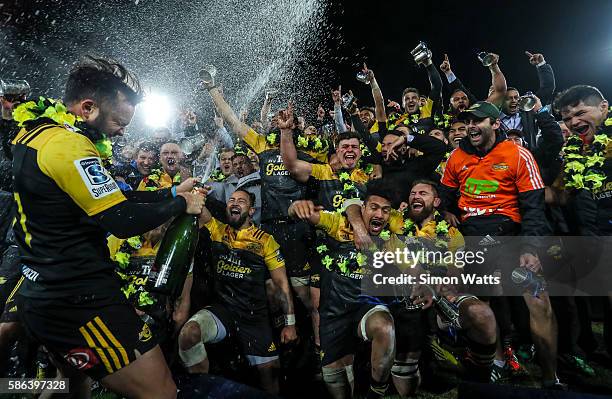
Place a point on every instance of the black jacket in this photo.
(545, 92)
(400, 175)
(549, 145)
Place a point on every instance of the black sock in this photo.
(377, 389)
(479, 361)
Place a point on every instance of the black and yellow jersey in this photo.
(60, 183)
(340, 291)
(428, 230)
(162, 181)
(421, 121)
(329, 188)
(242, 260)
(134, 275)
(278, 188)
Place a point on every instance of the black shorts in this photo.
(295, 240)
(339, 334)
(96, 334)
(255, 336)
(411, 328)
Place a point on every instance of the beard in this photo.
(237, 223)
(423, 214)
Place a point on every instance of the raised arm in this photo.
(300, 170)
(546, 76)
(498, 82)
(379, 102)
(227, 113)
(265, 110)
(453, 81)
(435, 82)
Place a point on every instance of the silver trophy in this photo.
(421, 53)
(271, 92)
(14, 88)
(485, 58)
(348, 100)
(363, 77)
(527, 102)
(207, 74)
(190, 144)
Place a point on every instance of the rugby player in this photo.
(243, 256)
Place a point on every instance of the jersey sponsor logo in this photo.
(232, 270)
(98, 181)
(476, 187)
(470, 211)
(337, 201)
(254, 247)
(28, 273)
(145, 334)
(500, 166)
(81, 358)
(272, 347)
(273, 169)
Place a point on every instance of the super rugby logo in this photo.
(97, 179)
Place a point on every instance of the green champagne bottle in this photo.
(176, 250)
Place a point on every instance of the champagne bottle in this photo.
(176, 250)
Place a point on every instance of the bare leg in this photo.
(544, 333)
(336, 379)
(189, 337)
(405, 373)
(148, 377)
(268, 376)
(79, 383)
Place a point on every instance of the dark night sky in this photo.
(575, 38)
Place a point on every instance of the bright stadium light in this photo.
(156, 109)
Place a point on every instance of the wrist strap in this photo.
(290, 320)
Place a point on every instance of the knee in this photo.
(9, 331)
(481, 318)
(190, 335)
(381, 326)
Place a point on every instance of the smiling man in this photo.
(457, 131)
(170, 156)
(502, 193)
